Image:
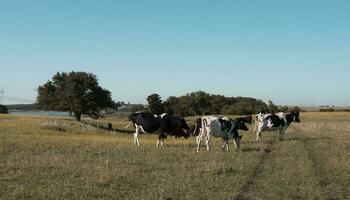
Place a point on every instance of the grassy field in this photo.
(51, 158)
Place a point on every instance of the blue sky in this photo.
(292, 52)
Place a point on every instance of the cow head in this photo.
(247, 119)
(240, 125)
(295, 116)
(184, 128)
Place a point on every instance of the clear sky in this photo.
(294, 52)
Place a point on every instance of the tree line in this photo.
(79, 93)
(202, 103)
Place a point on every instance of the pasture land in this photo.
(55, 158)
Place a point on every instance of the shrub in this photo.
(3, 109)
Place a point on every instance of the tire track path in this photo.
(258, 176)
(319, 169)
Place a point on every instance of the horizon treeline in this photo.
(202, 103)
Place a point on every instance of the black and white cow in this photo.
(165, 124)
(225, 128)
(272, 122)
(198, 124)
(247, 119)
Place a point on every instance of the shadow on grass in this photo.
(309, 139)
(257, 149)
(224, 171)
(120, 131)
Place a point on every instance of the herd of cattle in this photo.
(208, 126)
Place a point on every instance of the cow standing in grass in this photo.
(225, 128)
(165, 124)
(198, 124)
(272, 122)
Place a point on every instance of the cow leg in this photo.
(199, 140)
(282, 134)
(223, 144)
(258, 135)
(227, 144)
(255, 125)
(161, 139)
(165, 135)
(236, 146)
(207, 140)
(162, 142)
(136, 135)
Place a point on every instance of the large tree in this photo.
(272, 107)
(155, 104)
(76, 92)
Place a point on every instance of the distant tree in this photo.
(252, 105)
(195, 103)
(117, 105)
(3, 109)
(121, 103)
(217, 102)
(272, 107)
(327, 110)
(245, 106)
(155, 104)
(295, 109)
(172, 106)
(76, 92)
(239, 108)
(283, 108)
(201, 103)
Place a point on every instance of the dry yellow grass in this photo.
(51, 158)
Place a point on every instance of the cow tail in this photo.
(195, 130)
(204, 126)
(255, 123)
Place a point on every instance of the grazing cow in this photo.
(165, 124)
(272, 122)
(225, 128)
(247, 119)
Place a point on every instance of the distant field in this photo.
(55, 158)
(318, 108)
